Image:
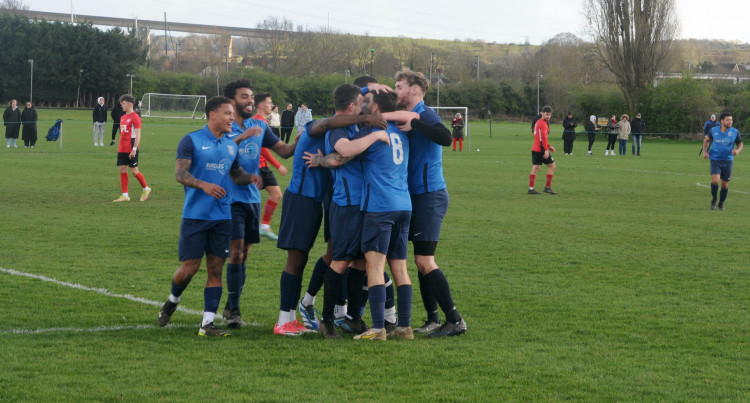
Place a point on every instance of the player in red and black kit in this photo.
(541, 153)
(264, 103)
(127, 151)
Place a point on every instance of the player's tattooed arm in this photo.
(182, 174)
(332, 160)
(240, 177)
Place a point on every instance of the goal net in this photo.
(447, 113)
(173, 106)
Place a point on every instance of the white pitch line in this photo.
(96, 290)
(733, 191)
(90, 329)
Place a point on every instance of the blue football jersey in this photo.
(249, 157)
(723, 143)
(347, 179)
(426, 156)
(212, 160)
(310, 182)
(386, 171)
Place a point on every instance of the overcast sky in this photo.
(501, 21)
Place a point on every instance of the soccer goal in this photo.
(173, 106)
(448, 112)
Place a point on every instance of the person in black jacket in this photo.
(116, 115)
(637, 126)
(612, 133)
(100, 121)
(29, 118)
(569, 133)
(591, 130)
(12, 122)
(287, 123)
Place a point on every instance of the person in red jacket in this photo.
(541, 153)
(264, 103)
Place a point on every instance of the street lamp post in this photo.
(131, 82)
(538, 76)
(372, 52)
(78, 97)
(31, 83)
(439, 82)
(217, 84)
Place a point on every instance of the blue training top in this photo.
(347, 179)
(723, 143)
(249, 157)
(385, 174)
(305, 181)
(426, 156)
(212, 159)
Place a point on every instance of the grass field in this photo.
(624, 287)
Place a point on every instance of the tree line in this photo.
(297, 66)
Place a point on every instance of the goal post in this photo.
(174, 106)
(450, 112)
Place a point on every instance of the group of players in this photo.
(379, 184)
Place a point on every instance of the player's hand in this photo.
(735, 152)
(251, 132)
(546, 154)
(404, 126)
(551, 149)
(282, 170)
(132, 154)
(383, 136)
(256, 180)
(705, 154)
(310, 158)
(213, 190)
(376, 120)
(376, 88)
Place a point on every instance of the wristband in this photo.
(135, 148)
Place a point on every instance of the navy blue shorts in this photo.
(202, 236)
(386, 233)
(723, 168)
(428, 210)
(346, 232)
(300, 222)
(245, 222)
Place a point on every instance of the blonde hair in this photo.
(413, 78)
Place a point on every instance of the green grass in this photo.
(625, 286)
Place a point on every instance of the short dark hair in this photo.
(547, 108)
(129, 98)
(385, 100)
(725, 114)
(362, 81)
(230, 88)
(216, 102)
(261, 97)
(345, 94)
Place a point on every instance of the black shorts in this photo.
(537, 158)
(124, 159)
(268, 178)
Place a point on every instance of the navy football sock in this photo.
(377, 306)
(288, 286)
(723, 196)
(177, 289)
(404, 305)
(331, 293)
(441, 290)
(234, 285)
(429, 302)
(714, 192)
(390, 302)
(354, 283)
(211, 298)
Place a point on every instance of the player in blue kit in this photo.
(301, 216)
(721, 140)
(429, 202)
(250, 135)
(207, 164)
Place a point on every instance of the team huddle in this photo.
(371, 174)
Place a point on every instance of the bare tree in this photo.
(632, 39)
(14, 5)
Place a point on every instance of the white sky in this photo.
(501, 21)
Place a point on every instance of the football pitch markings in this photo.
(733, 191)
(102, 291)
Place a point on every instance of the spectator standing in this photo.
(100, 121)
(623, 131)
(569, 133)
(12, 122)
(612, 134)
(274, 121)
(710, 124)
(116, 115)
(591, 130)
(303, 116)
(637, 126)
(29, 118)
(458, 132)
(287, 123)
